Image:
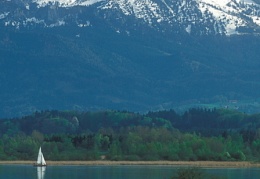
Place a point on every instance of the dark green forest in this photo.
(197, 134)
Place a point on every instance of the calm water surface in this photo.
(112, 172)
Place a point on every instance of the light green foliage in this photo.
(115, 152)
(199, 134)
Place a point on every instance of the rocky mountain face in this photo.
(172, 16)
(136, 55)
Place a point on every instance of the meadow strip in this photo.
(213, 164)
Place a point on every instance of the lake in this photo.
(113, 172)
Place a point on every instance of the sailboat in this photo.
(40, 160)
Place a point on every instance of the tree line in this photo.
(197, 134)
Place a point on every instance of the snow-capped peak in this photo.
(192, 16)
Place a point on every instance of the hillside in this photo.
(98, 55)
(105, 70)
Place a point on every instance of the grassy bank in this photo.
(212, 164)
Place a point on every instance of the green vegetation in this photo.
(197, 134)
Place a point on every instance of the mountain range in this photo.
(193, 16)
(137, 55)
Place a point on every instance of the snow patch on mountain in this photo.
(223, 3)
(32, 20)
(2, 16)
(66, 3)
(58, 23)
(228, 12)
(142, 9)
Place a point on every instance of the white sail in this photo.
(40, 159)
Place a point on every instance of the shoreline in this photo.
(206, 164)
